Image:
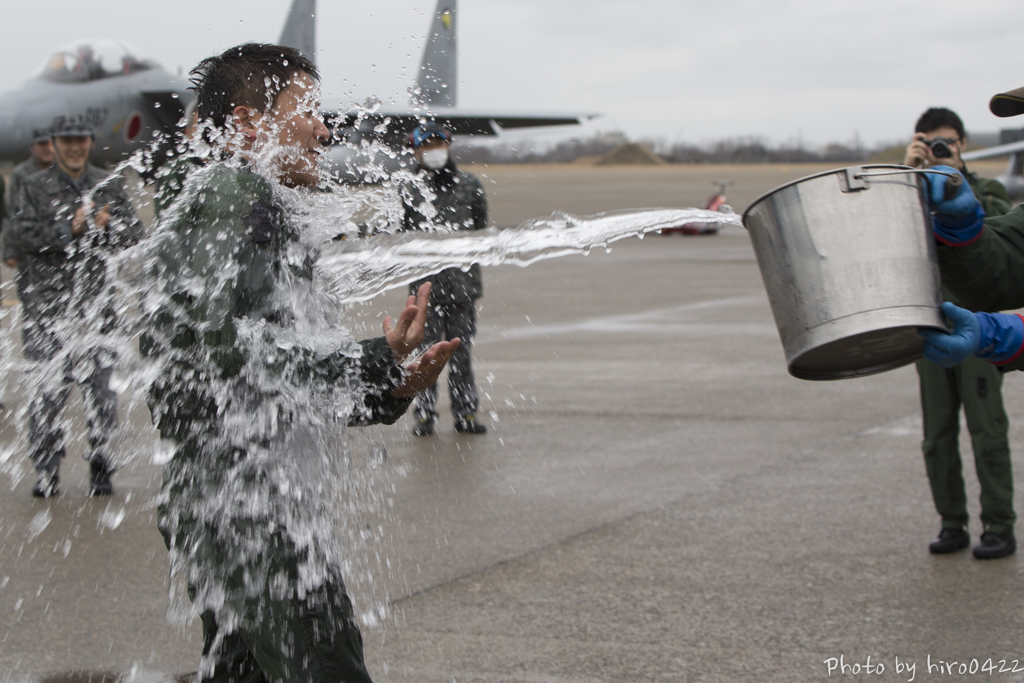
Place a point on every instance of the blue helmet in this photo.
(426, 131)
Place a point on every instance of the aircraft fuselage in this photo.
(124, 111)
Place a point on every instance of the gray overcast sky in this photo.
(677, 69)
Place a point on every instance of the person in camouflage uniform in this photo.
(41, 159)
(69, 219)
(457, 202)
(240, 391)
(974, 384)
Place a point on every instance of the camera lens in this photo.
(940, 148)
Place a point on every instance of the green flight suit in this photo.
(229, 266)
(977, 386)
(170, 180)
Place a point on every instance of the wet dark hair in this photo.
(250, 75)
(940, 117)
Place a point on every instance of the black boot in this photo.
(467, 424)
(46, 484)
(424, 427)
(949, 541)
(993, 546)
(99, 477)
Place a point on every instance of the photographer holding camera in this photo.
(939, 139)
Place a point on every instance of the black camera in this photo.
(940, 147)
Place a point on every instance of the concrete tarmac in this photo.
(656, 498)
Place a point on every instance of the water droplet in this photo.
(39, 523)
(112, 517)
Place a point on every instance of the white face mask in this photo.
(435, 159)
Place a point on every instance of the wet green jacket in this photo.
(991, 193)
(995, 201)
(227, 249)
(459, 203)
(170, 180)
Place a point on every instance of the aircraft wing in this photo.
(391, 124)
(997, 151)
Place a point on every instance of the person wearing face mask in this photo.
(442, 197)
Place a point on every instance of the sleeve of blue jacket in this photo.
(995, 337)
(1002, 337)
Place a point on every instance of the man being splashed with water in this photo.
(257, 380)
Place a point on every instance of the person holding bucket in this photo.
(982, 263)
(939, 139)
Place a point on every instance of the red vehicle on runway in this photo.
(716, 202)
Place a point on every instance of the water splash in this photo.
(279, 468)
(38, 524)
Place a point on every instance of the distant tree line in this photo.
(527, 152)
(744, 150)
(757, 151)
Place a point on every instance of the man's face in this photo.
(296, 132)
(73, 152)
(956, 147)
(43, 152)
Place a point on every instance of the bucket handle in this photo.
(952, 185)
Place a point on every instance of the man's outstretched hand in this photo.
(424, 371)
(406, 336)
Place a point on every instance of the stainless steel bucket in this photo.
(849, 262)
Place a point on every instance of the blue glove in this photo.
(955, 221)
(995, 337)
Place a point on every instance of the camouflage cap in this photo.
(40, 135)
(70, 127)
(1010, 103)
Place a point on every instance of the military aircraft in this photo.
(109, 84)
(127, 97)
(434, 97)
(124, 96)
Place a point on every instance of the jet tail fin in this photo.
(438, 75)
(300, 28)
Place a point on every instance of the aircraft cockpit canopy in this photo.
(91, 60)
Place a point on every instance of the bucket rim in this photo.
(813, 176)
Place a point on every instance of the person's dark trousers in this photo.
(280, 634)
(448, 321)
(312, 640)
(92, 372)
(977, 385)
